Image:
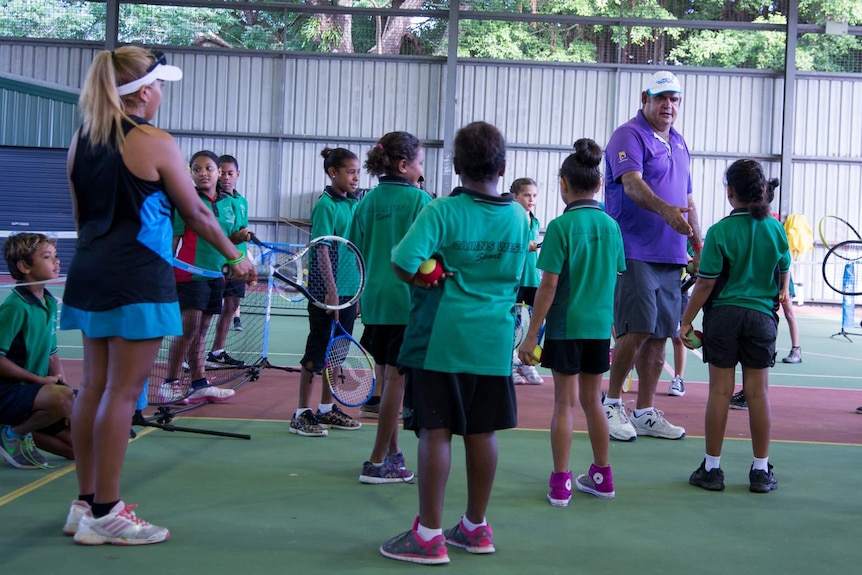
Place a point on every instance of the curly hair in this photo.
(21, 248)
(383, 158)
(749, 184)
(480, 151)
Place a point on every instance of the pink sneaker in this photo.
(561, 488)
(409, 547)
(599, 482)
(480, 540)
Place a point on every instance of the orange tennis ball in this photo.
(430, 271)
(538, 354)
(695, 338)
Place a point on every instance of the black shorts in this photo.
(733, 334)
(464, 403)
(383, 342)
(527, 295)
(16, 402)
(573, 356)
(234, 288)
(203, 295)
(16, 406)
(319, 330)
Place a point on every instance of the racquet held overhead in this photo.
(834, 230)
(348, 369)
(842, 268)
(329, 271)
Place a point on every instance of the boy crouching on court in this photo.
(34, 401)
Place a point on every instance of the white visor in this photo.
(160, 72)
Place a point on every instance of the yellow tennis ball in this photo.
(537, 353)
(430, 271)
(427, 266)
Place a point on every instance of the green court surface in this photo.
(281, 504)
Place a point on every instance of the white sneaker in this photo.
(76, 512)
(619, 425)
(677, 387)
(209, 393)
(530, 374)
(517, 378)
(170, 391)
(653, 423)
(119, 527)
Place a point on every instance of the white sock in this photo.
(325, 407)
(640, 412)
(427, 534)
(300, 410)
(712, 462)
(612, 401)
(761, 464)
(217, 352)
(472, 526)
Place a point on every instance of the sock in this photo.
(640, 412)
(11, 434)
(217, 352)
(102, 509)
(761, 464)
(612, 401)
(300, 411)
(199, 383)
(472, 526)
(378, 464)
(88, 498)
(325, 408)
(712, 462)
(427, 534)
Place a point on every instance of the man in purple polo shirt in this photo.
(648, 192)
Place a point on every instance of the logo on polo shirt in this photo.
(622, 156)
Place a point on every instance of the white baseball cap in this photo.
(662, 82)
(158, 71)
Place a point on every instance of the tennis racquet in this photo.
(842, 267)
(326, 265)
(523, 317)
(348, 369)
(687, 282)
(834, 230)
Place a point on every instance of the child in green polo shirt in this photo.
(740, 292)
(457, 348)
(582, 253)
(33, 398)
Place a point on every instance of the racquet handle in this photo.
(260, 270)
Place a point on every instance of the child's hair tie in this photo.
(379, 145)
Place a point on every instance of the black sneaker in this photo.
(738, 401)
(237, 324)
(224, 359)
(712, 480)
(761, 481)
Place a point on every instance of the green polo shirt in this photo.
(195, 250)
(240, 208)
(584, 247)
(465, 323)
(382, 219)
(332, 216)
(742, 254)
(531, 277)
(28, 330)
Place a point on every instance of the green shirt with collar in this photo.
(28, 330)
(584, 247)
(466, 323)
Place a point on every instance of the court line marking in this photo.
(30, 487)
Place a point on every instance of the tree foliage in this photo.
(273, 29)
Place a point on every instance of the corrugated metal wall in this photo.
(276, 112)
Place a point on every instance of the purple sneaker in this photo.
(480, 540)
(561, 488)
(599, 482)
(408, 546)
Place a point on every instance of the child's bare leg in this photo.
(434, 462)
(562, 422)
(481, 454)
(720, 392)
(590, 391)
(755, 386)
(386, 440)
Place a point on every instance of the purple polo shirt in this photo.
(635, 147)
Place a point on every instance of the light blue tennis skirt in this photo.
(133, 321)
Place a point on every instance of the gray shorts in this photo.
(647, 299)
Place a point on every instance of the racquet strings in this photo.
(334, 263)
(834, 230)
(349, 372)
(523, 314)
(842, 268)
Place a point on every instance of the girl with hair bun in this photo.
(582, 253)
(739, 291)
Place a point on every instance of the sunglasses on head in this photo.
(160, 60)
